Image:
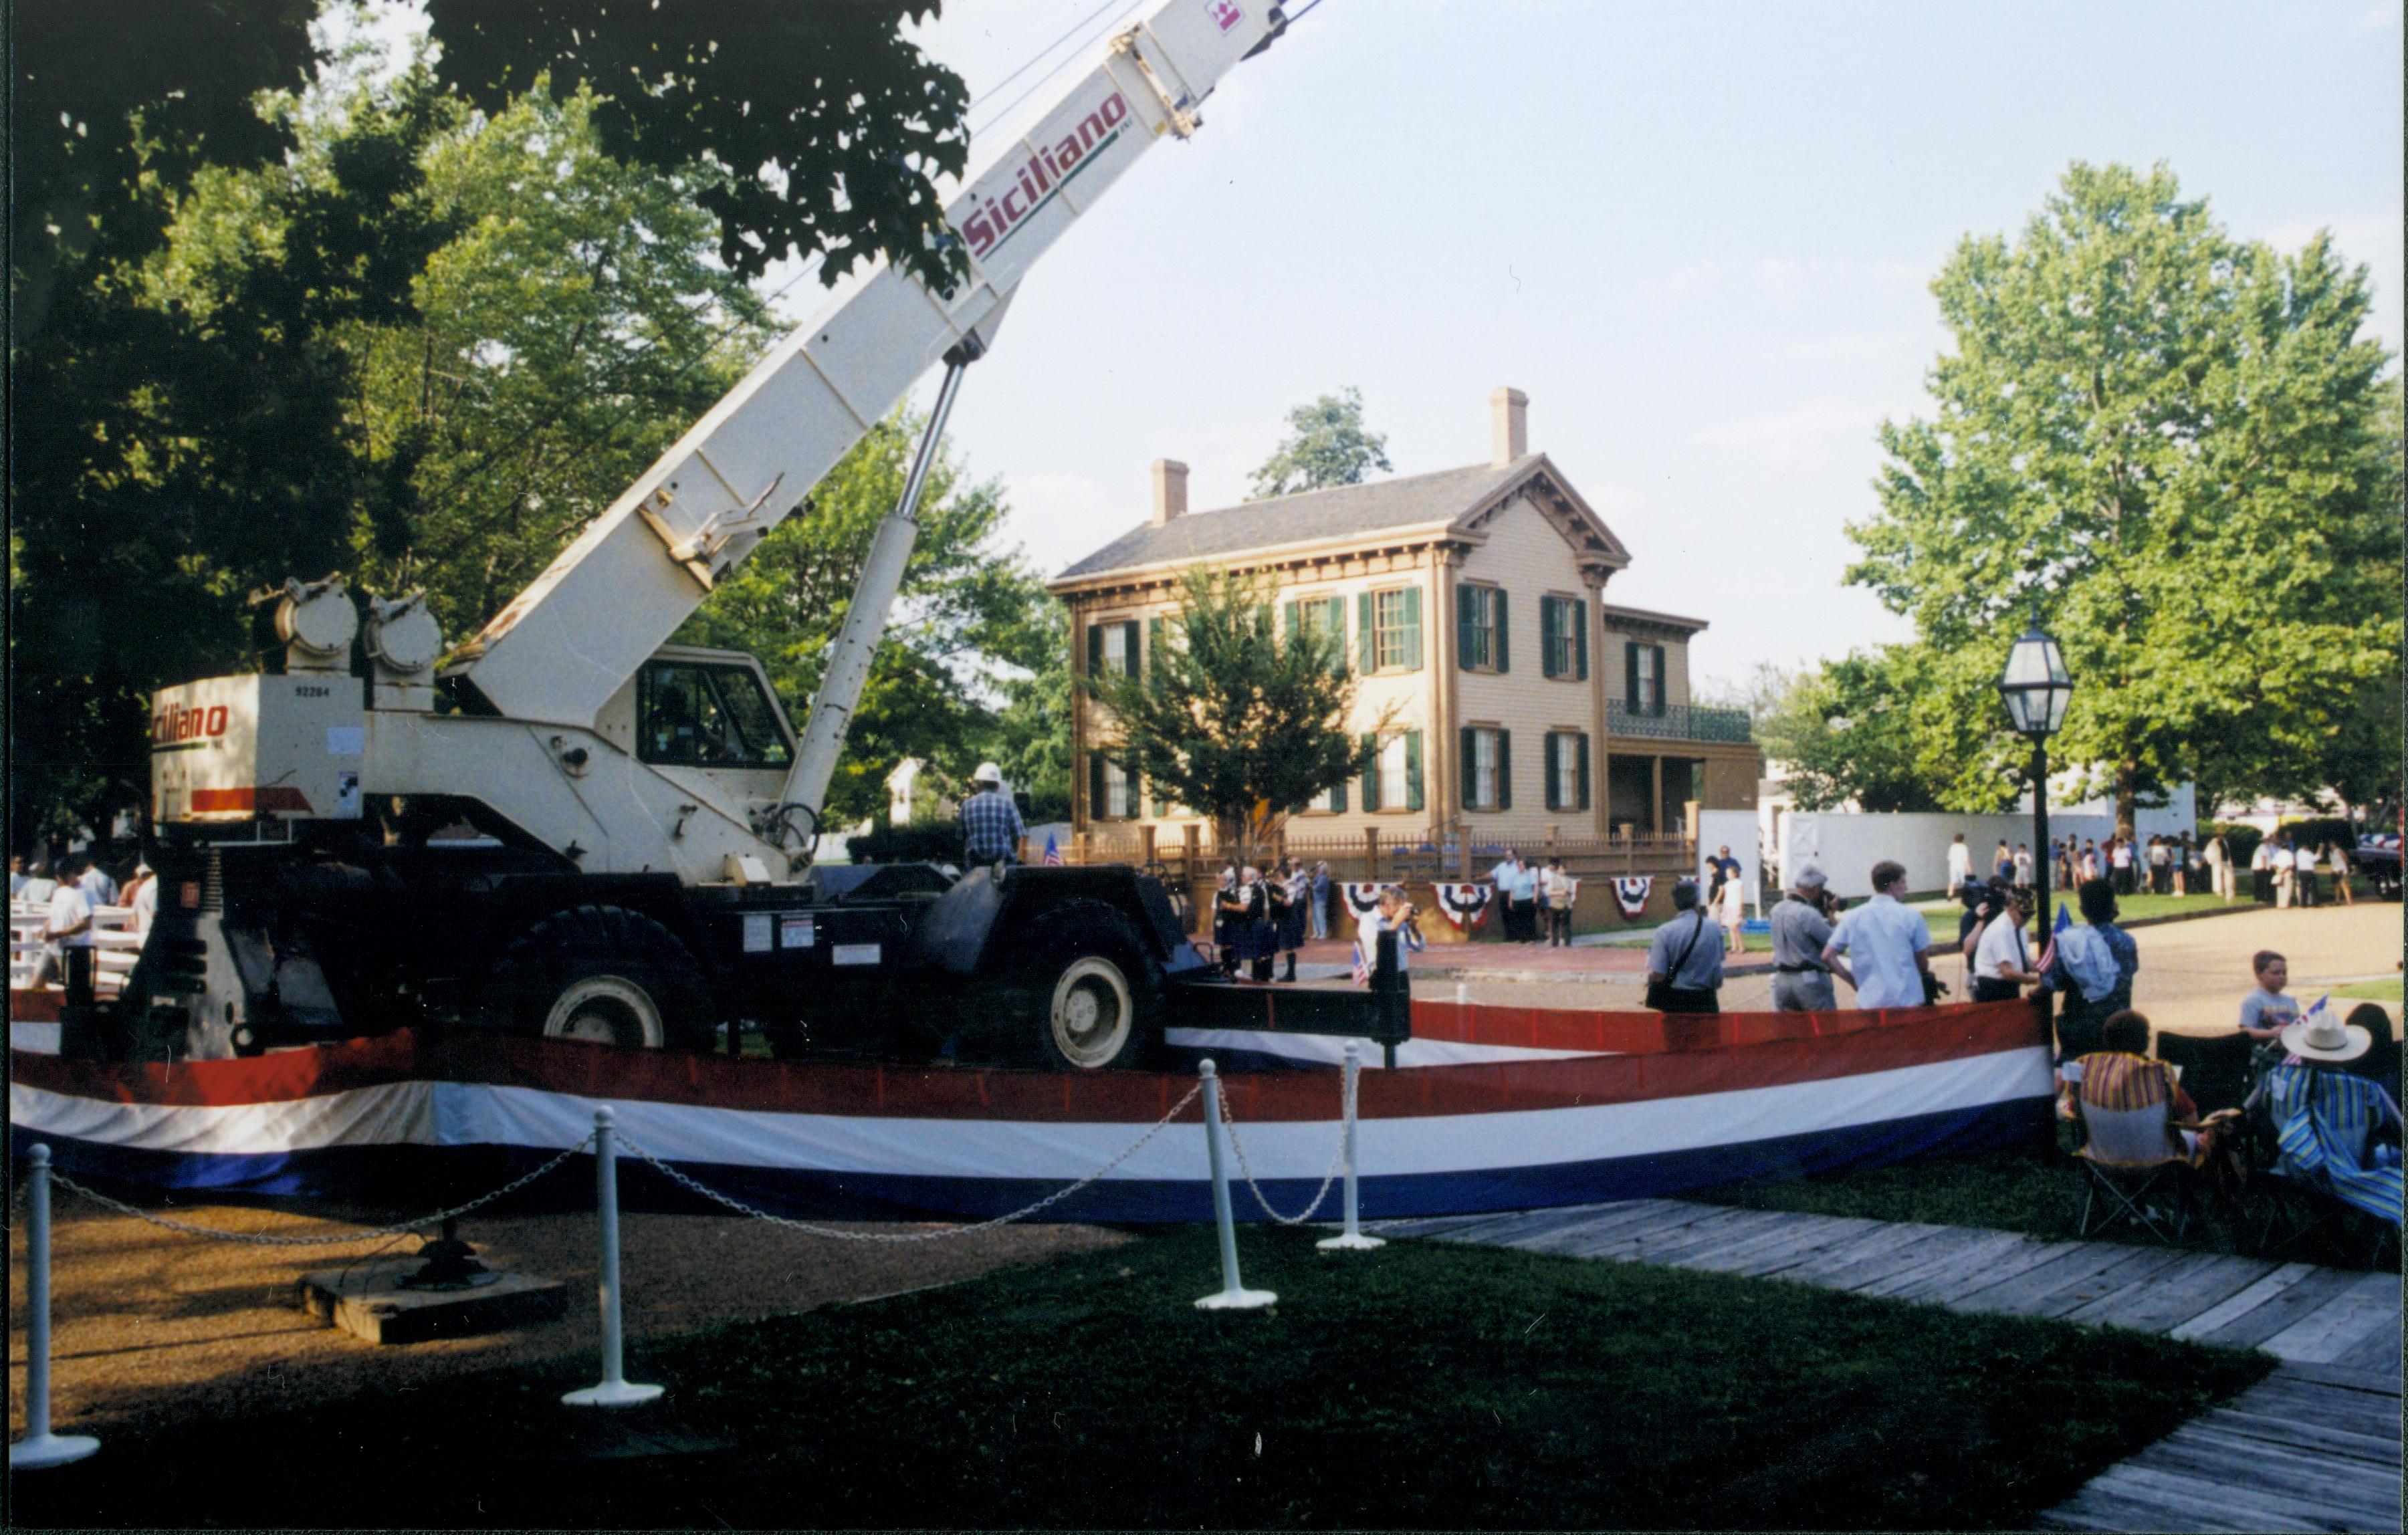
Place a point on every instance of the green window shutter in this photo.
(1369, 644)
(1161, 805)
(1154, 647)
(1630, 699)
(1467, 627)
(1412, 770)
(1338, 796)
(1663, 688)
(1129, 647)
(1555, 788)
(1295, 616)
(1504, 770)
(1464, 781)
(1095, 786)
(1579, 610)
(1370, 771)
(1502, 643)
(1581, 762)
(1333, 618)
(1413, 628)
(1094, 650)
(1550, 626)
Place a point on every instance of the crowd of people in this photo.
(1259, 919)
(71, 887)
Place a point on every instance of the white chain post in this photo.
(1352, 1240)
(40, 1447)
(1234, 1296)
(616, 1390)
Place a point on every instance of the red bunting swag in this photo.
(1464, 904)
(1630, 894)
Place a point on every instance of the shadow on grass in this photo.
(1420, 1386)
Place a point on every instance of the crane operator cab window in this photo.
(690, 715)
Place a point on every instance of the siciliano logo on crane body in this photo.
(996, 219)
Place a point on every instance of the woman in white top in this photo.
(1734, 914)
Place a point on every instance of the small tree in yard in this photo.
(1232, 718)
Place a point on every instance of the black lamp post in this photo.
(2037, 688)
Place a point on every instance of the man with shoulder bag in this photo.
(1684, 973)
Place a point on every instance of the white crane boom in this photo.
(582, 629)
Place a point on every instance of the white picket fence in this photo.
(112, 936)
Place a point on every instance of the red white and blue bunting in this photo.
(1630, 894)
(1464, 904)
(1362, 899)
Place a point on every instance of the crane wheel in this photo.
(1094, 989)
(605, 975)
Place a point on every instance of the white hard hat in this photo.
(986, 772)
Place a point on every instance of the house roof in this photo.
(1610, 611)
(1447, 498)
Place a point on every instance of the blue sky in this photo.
(1698, 236)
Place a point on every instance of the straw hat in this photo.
(2321, 1036)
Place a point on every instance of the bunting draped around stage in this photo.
(1490, 1108)
(1464, 904)
(1630, 894)
(1362, 899)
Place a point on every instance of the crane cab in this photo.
(703, 716)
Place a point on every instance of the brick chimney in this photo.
(1509, 425)
(1169, 489)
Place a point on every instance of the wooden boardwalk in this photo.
(2314, 1447)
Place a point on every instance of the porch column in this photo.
(1655, 791)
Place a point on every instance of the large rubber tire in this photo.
(605, 975)
(1092, 991)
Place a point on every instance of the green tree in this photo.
(1032, 734)
(1231, 718)
(2171, 446)
(1844, 731)
(1326, 444)
(970, 613)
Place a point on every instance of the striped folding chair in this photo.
(2136, 1177)
(2328, 1160)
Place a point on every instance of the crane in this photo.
(648, 815)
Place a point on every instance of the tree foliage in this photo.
(1231, 718)
(1327, 445)
(971, 617)
(2172, 447)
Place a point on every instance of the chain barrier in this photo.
(731, 1202)
(258, 1239)
(1337, 1163)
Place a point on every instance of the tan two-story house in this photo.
(1472, 602)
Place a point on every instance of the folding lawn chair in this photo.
(2214, 1068)
(2136, 1175)
(2329, 1164)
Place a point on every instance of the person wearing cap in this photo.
(991, 823)
(2336, 1129)
(1801, 983)
(2002, 965)
(1683, 970)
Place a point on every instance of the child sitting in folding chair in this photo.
(2143, 1136)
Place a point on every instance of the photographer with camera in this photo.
(1802, 924)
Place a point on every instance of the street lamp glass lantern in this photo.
(2036, 684)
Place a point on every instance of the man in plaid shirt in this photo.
(991, 823)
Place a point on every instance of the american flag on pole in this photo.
(1362, 965)
(2048, 955)
(1053, 852)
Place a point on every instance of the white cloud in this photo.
(1809, 429)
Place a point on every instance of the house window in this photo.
(1481, 640)
(1111, 791)
(1392, 778)
(1330, 801)
(1643, 677)
(1391, 624)
(1487, 768)
(1567, 770)
(1113, 649)
(1563, 638)
(1325, 616)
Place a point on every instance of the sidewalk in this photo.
(2314, 1447)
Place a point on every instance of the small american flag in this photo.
(1362, 965)
(1053, 852)
(2048, 955)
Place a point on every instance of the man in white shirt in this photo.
(144, 902)
(68, 931)
(2280, 862)
(2002, 961)
(1960, 864)
(1890, 942)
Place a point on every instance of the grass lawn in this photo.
(2021, 1191)
(2371, 991)
(1421, 1385)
